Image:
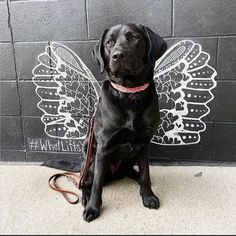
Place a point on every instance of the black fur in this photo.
(124, 122)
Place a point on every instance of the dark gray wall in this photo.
(28, 26)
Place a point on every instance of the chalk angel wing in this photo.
(184, 81)
(67, 90)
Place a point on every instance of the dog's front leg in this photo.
(149, 198)
(92, 209)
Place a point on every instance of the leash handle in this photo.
(53, 185)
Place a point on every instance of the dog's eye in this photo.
(110, 43)
(133, 37)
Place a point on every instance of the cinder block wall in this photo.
(26, 27)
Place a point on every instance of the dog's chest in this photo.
(134, 129)
(131, 120)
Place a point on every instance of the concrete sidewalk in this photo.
(194, 200)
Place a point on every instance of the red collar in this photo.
(129, 90)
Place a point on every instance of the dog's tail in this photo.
(63, 165)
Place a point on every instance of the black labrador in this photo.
(127, 114)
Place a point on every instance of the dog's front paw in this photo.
(151, 202)
(90, 213)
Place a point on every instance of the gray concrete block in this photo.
(26, 58)
(48, 20)
(29, 124)
(29, 99)
(33, 136)
(226, 65)
(12, 155)
(205, 17)
(7, 68)
(224, 141)
(224, 102)
(45, 156)
(9, 102)
(106, 13)
(11, 132)
(4, 29)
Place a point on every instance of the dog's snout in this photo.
(117, 56)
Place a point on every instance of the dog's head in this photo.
(128, 51)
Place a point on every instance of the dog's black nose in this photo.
(117, 56)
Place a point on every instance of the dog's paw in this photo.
(151, 202)
(90, 213)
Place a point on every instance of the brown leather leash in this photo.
(77, 179)
(52, 182)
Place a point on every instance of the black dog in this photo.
(127, 114)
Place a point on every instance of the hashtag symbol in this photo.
(33, 144)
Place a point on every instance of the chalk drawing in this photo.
(184, 81)
(55, 145)
(69, 93)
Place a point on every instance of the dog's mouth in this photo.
(124, 68)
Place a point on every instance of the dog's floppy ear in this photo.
(98, 52)
(156, 46)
